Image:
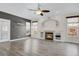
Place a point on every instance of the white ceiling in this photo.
(21, 9)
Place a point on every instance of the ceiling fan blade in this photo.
(45, 11)
(41, 14)
(32, 10)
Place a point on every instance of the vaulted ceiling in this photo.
(21, 9)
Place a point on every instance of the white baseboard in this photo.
(16, 39)
(36, 38)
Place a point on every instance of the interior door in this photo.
(4, 30)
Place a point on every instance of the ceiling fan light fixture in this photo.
(38, 12)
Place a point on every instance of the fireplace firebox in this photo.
(49, 35)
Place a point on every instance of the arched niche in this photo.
(50, 22)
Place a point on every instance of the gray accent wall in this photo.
(18, 25)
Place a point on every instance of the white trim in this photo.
(58, 40)
(36, 38)
(19, 39)
(70, 42)
(4, 40)
(16, 39)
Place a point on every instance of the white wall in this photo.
(61, 28)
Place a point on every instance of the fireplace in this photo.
(49, 35)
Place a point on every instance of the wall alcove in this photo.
(50, 24)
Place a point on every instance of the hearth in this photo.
(49, 35)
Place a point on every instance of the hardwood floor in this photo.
(36, 47)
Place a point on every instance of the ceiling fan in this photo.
(40, 11)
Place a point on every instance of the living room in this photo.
(35, 29)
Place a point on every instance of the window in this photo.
(28, 28)
(72, 20)
(34, 27)
(72, 26)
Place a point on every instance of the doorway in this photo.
(4, 30)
